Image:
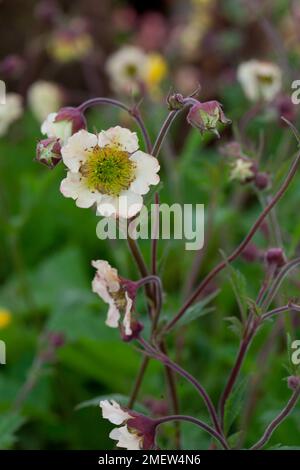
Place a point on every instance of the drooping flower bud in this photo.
(48, 152)
(293, 382)
(175, 101)
(63, 124)
(275, 257)
(206, 116)
(136, 432)
(262, 180)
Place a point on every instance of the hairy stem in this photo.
(278, 420)
(239, 249)
(133, 112)
(197, 422)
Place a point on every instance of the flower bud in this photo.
(293, 382)
(63, 124)
(206, 116)
(175, 101)
(275, 256)
(48, 152)
(262, 180)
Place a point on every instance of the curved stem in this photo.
(163, 132)
(278, 310)
(278, 420)
(239, 249)
(197, 422)
(167, 361)
(266, 301)
(138, 382)
(134, 113)
(244, 346)
(157, 282)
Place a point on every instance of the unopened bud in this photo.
(206, 116)
(48, 152)
(293, 382)
(275, 256)
(262, 180)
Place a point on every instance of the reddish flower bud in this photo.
(64, 123)
(206, 116)
(293, 382)
(48, 152)
(262, 180)
(275, 256)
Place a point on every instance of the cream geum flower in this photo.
(260, 80)
(242, 170)
(107, 285)
(126, 69)
(108, 170)
(10, 111)
(137, 431)
(44, 98)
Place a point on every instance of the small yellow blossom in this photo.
(5, 317)
(156, 70)
(64, 48)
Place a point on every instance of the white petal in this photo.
(47, 126)
(119, 137)
(73, 186)
(112, 411)
(145, 173)
(125, 438)
(127, 316)
(75, 152)
(113, 315)
(99, 287)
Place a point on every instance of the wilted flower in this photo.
(10, 111)
(44, 98)
(5, 317)
(137, 431)
(260, 80)
(48, 152)
(206, 116)
(71, 43)
(242, 170)
(108, 170)
(108, 285)
(63, 124)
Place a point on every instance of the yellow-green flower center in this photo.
(108, 170)
(265, 79)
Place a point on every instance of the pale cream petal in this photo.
(112, 411)
(146, 171)
(113, 315)
(119, 137)
(126, 439)
(75, 152)
(127, 316)
(73, 186)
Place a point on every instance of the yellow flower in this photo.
(64, 48)
(156, 70)
(5, 317)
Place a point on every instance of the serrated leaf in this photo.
(235, 326)
(234, 404)
(238, 283)
(121, 399)
(197, 310)
(9, 425)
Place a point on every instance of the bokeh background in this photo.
(55, 53)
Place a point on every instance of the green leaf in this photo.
(234, 404)
(121, 399)
(235, 326)
(198, 310)
(238, 283)
(9, 425)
